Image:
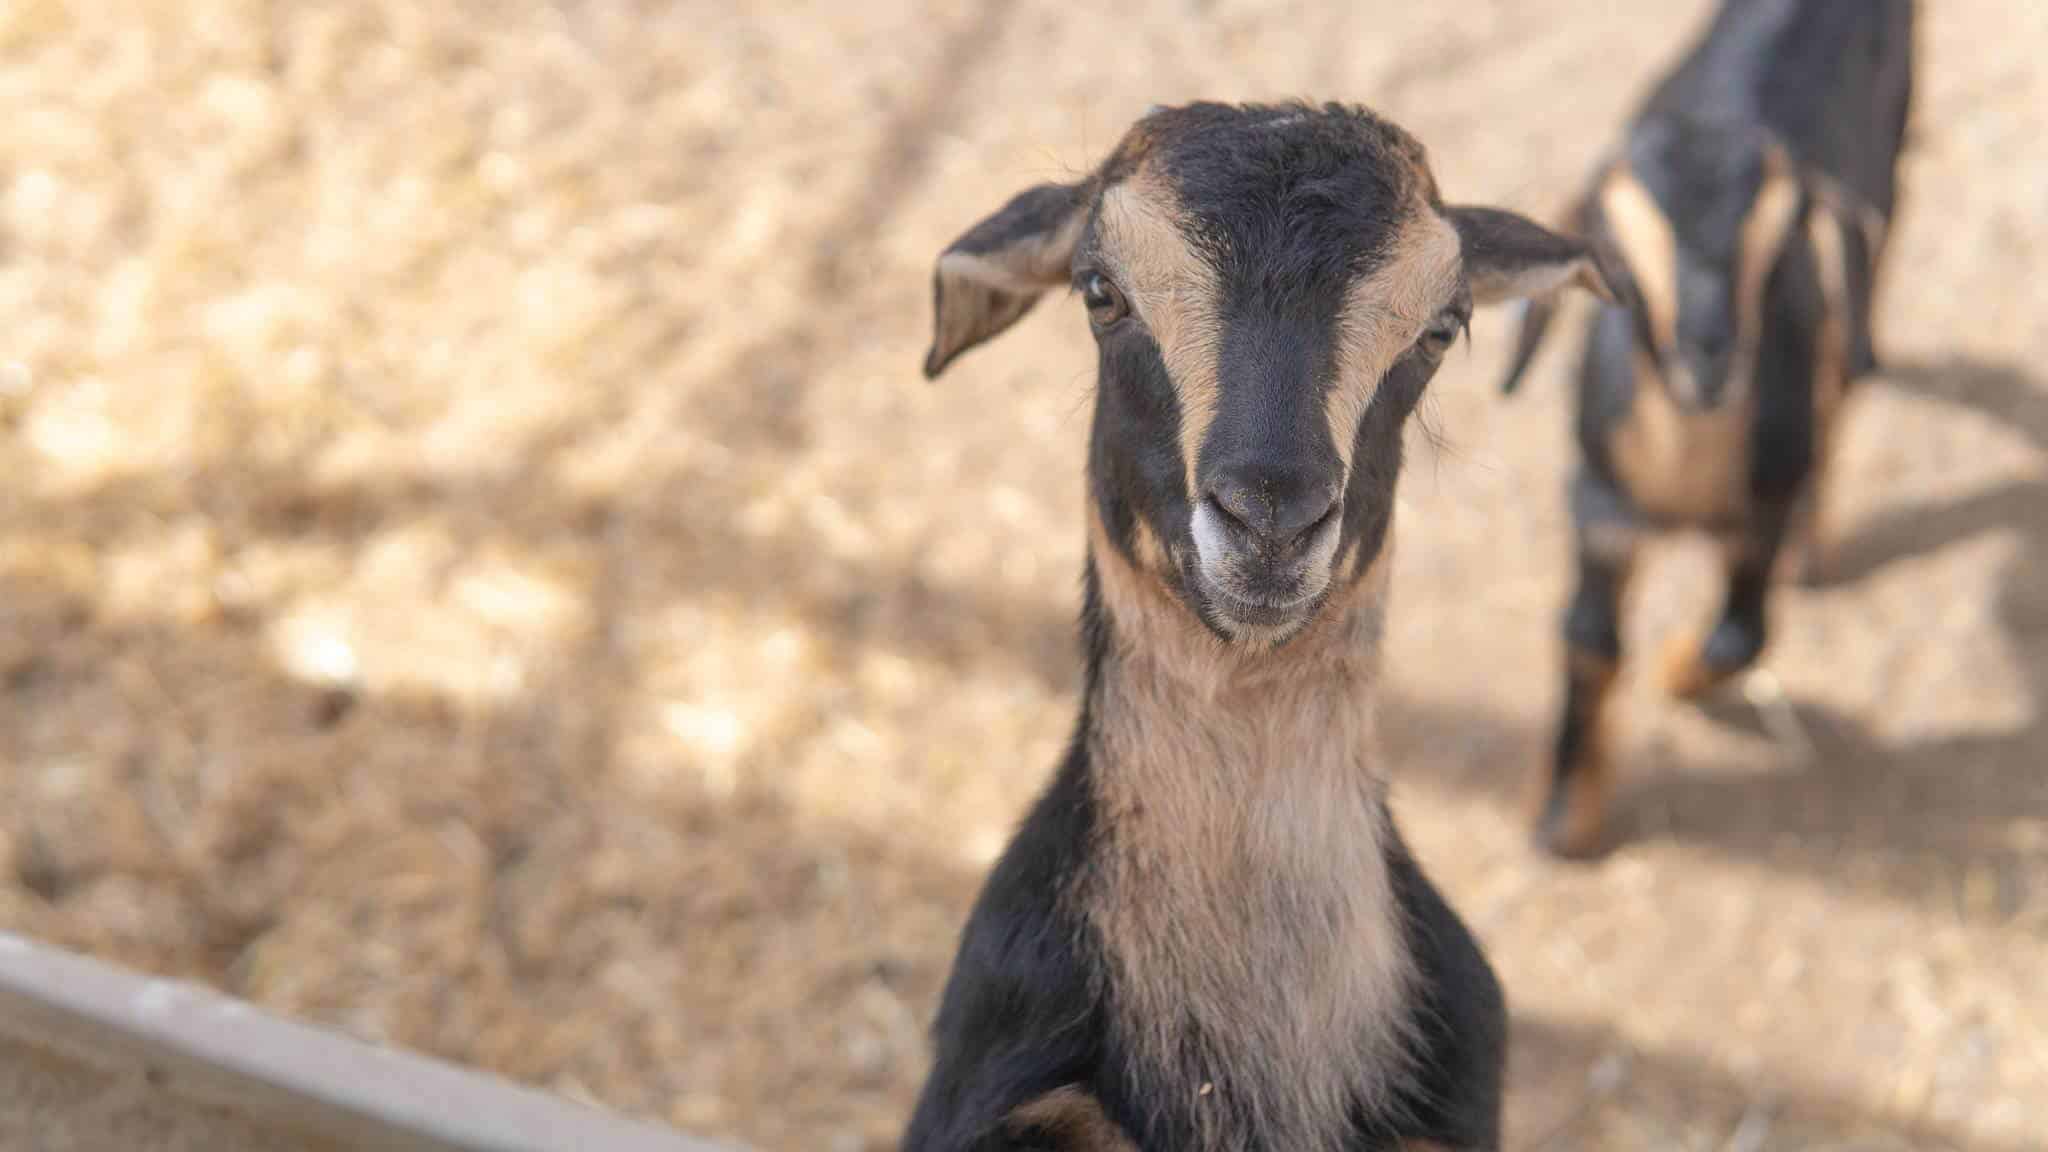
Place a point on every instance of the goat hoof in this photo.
(1572, 823)
(1571, 839)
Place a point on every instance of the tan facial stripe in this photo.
(1648, 246)
(1765, 229)
(1849, 206)
(1173, 290)
(1764, 232)
(1385, 312)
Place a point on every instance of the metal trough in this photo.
(92, 1057)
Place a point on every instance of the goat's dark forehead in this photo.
(1289, 195)
(1704, 175)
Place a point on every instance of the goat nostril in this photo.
(1280, 529)
(1238, 525)
(1321, 522)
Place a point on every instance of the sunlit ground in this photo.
(479, 567)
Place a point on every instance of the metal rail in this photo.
(198, 1044)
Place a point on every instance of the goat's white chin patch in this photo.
(1253, 599)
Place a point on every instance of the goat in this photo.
(1206, 935)
(1743, 224)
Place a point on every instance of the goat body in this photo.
(1207, 935)
(1209, 921)
(1831, 78)
(1744, 221)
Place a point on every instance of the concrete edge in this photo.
(210, 1047)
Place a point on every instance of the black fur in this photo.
(1024, 1010)
(1453, 1099)
(1290, 205)
(1293, 201)
(1022, 1013)
(1832, 78)
(1829, 82)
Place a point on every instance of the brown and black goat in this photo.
(1207, 935)
(1743, 224)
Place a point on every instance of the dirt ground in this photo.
(478, 565)
(55, 1102)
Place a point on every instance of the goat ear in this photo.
(989, 278)
(1536, 315)
(1861, 228)
(1510, 257)
(1537, 310)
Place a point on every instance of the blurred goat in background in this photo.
(1743, 221)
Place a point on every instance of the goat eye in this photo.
(1106, 305)
(1442, 332)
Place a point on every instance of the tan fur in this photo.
(1831, 359)
(1691, 466)
(1579, 829)
(1073, 1120)
(1492, 286)
(1242, 890)
(1765, 230)
(1817, 533)
(1680, 465)
(1683, 670)
(981, 294)
(1649, 247)
(1147, 551)
(1829, 378)
(1848, 207)
(1830, 383)
(967, 312)
(1172, 289)
(1032, 264)
(1385, 312)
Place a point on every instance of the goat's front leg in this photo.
(1695, 665)
(1812, 538)
(1572, 807)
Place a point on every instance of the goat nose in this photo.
(1273, 505)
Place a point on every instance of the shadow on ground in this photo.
(1928, 813)
(476, 884)
(1922, 821)
(481, 878)
(1576, 1085)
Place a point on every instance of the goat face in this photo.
(1270, 288)
(1695, 217)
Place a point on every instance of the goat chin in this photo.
(1249, 599)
